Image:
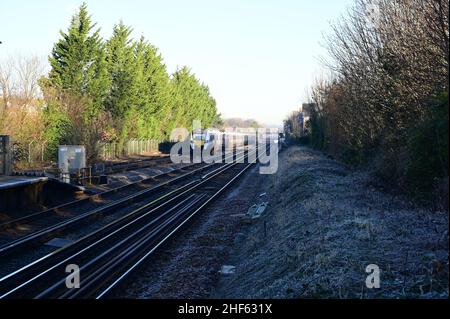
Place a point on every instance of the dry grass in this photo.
(325, 225)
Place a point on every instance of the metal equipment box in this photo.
(71, 158)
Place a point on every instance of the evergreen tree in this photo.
(78, 61)
(191, 101)
(118, 90)
(122, 101)
(122, 71)
(154, 92)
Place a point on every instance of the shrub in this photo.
(428, 151)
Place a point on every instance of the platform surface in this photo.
(7, 182)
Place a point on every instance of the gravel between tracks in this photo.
(187, 267)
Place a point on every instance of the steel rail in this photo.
(88, 198)
(47, 232)
(106, 193)
(89, 239)
(105, 291)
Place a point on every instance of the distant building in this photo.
(297, 125)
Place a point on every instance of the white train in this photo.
(210, 138)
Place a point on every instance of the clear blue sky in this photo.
(257, 56)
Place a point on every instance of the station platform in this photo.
(8, 182)
(23, 193)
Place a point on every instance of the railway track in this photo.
(100, 198)
(71, 213)
(116, 167)
(107, 255)
(42, 226)
(108, 167)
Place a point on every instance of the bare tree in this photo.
(21, 114)
(19, 78)
(389, 58)
(29, 71)
(6, 81)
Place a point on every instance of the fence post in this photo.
(42, 152)
(29, 151)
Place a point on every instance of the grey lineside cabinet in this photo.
(71, 159)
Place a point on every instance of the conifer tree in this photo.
(122, 71)
(154, 92)
(78, 61)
